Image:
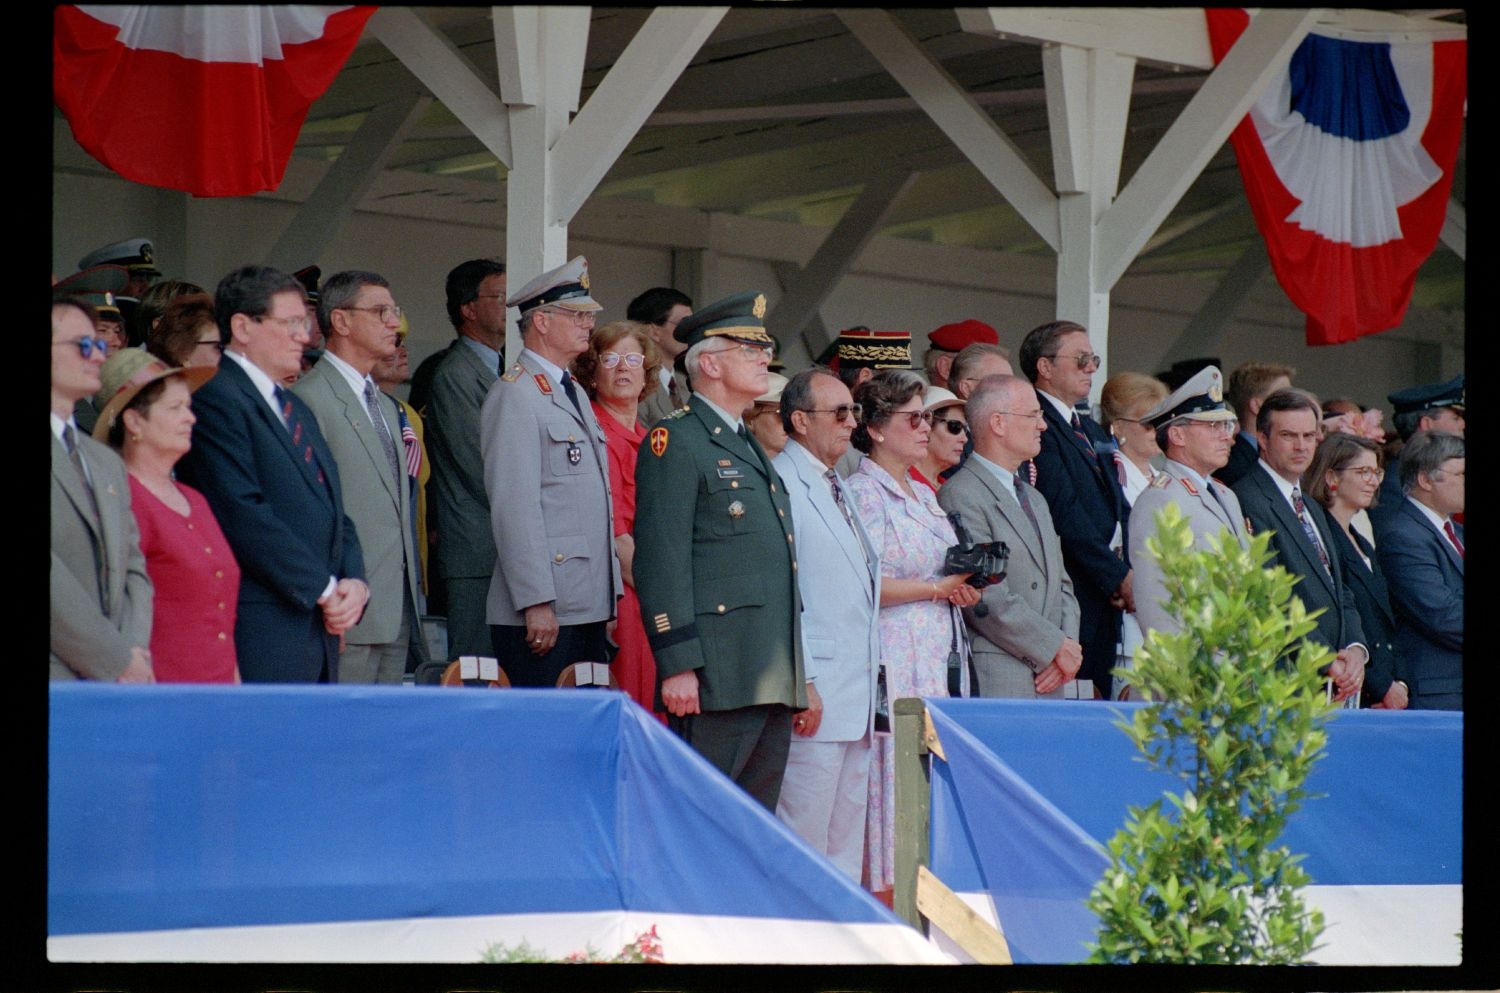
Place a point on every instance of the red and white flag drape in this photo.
(203, 99)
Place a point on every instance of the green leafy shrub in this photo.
(1197, 877)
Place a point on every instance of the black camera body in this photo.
(986, 562)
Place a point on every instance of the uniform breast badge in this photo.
(575, 454)
(736, 510)
(658, 441)
(542, 384)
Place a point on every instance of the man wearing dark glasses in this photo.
(100, 624)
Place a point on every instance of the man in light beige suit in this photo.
(101, 596)
(1025, 627)
(361, 424)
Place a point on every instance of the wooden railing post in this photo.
(908, 717)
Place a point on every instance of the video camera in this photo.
(986, 562)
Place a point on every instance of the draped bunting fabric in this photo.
(208, 100)
(1347, 159)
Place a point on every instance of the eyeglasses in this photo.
(842, 412)
(1224, 428)
(1367, 473)
(633, 360)
(291, 325)
(746, 349)
(952, 425)
(1035, 415)
(387, 312)
(1085, 360)
(582, 318)
(87, 346)
(913, 417)
(489, 296)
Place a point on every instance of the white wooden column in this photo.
(1088, 102)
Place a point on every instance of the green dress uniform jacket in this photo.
(715, 563)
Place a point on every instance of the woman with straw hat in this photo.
(148, 418)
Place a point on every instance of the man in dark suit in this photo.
(462, 548)
(1271, 496)
(100, 593)
(1082, 490)
(1429, 407)
(1421, 551)
(260, 460)
(715, 564)
(363, 429)
(663, 308)
(1249, 385)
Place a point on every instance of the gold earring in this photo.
(135, 437)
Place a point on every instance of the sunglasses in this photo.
(952, 425)
(88, 346)
(913, 417)
(842, 412)
(633, 360)
(1085, 360)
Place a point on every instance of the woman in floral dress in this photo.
(920, 624)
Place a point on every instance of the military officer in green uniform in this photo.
(715, 558)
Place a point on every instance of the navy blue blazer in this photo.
(1372, 600)
(1426, 577)
(283, 516)
(1267, 510)
(1085, 506)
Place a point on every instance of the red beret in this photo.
(953, 337)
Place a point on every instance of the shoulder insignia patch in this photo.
(1161, 481)
(658, 441)
(1187, 484)
(543, 385)
(674, 415)
(513, 374)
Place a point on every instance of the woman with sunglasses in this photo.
(617, 367)
(945, 445)
(148, 419)
(1344, 476)
(921, 630)
(186, 333)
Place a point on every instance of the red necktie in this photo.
(1453, 537)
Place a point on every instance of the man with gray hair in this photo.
(974, 363)
(1421, 551)
(826, 790)
(362, 426)
(1025, 627)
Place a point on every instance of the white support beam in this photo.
(965, 123)
(1455, 229)
(345, 183)
(1171, 36)
(1088, 103)
(1205, 330)
(564, 46)
(1261, 52)
(623, 100)
(787, 274)
(517, 54)
(860, 223)
(444, 70)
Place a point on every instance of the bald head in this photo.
(1005, 416)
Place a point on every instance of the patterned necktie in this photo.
(838, 496)
(294, 426)
(1087, 443)
(1025, 503)
(571, 391)
(1453, 537)
(1307, 527)
(383, 430)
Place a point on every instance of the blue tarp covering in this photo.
(1031, 790)
(186, 806)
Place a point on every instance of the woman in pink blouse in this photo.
(148, 418)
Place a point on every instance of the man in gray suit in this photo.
(461, 548)
(1196, 431)
(556, 572)
(1025, 627)
(362, 426)
(825, 791)
(662, 308)
(100, 594)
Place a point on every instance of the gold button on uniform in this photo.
(780, 512)
(558, 557)
(721, 608)
(788, 539)
(734, 484)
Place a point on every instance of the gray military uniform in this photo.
(1207, 516)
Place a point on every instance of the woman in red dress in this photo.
(149, 419)
(620, 361)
